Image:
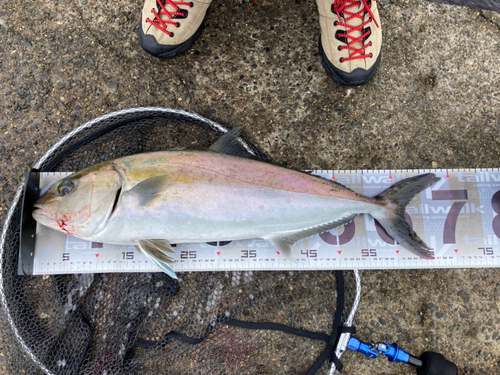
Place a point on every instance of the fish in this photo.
(225, 193)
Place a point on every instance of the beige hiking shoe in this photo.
(168, 28)
(350, 41)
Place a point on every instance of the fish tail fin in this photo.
(392, 218)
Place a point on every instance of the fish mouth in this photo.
(41, 215)
(38, 212)
(38, 209)
(38, 205)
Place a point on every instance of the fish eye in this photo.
(66, 187)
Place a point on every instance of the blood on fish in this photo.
(64, 226)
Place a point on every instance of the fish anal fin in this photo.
(148, 189)
(284, 245)
(229, 144)
(159, 252)
(285, 242)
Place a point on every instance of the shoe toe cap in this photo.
(165, 51)
(356, 77)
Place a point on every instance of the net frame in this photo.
(53, 157)
(348, 320)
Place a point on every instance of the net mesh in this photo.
(131, 323)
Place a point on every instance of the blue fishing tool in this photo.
(362, 347)
(430, 363)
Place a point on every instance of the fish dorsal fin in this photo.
(148, 189)
(159, 252)
(285, 242)
(229, 144)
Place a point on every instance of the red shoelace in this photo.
(340, 7)
(161, 24)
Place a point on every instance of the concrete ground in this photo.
(435, 102)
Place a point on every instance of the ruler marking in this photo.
(428, 213)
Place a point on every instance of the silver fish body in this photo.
(154, 199)
(212, 197)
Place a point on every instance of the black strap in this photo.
(171, 335)
(344, 329)
(279, 327)
(333, 357)
(161, 344)
(328, 352)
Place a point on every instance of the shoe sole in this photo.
(357, 77)
(163, 51)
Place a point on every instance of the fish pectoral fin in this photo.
(229, 144)
(148, 189)
(285, 242)
(159, 251)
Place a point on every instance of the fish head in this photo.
(81, 204)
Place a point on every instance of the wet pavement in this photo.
(434, 103)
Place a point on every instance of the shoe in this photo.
(351, 39)
(168, 27)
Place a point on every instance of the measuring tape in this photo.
(457, 217)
